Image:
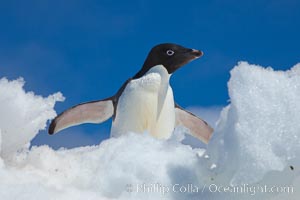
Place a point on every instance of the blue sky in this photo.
(87, 49)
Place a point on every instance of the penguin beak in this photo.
(196, 53)
(190, 55)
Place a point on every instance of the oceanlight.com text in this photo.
(211, 188)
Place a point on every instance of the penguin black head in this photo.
(171, 56)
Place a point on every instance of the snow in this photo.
(255, 146)
(258, 134)
(264, 118)
(22, 115)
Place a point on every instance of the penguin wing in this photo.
(198, 127)
(90, 112)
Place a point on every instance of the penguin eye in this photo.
(170, 52)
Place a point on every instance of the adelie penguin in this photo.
(144, 102)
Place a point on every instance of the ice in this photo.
(255, 145)
(257, 139)
(101, 171)
(22, 115)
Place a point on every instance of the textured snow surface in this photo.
(22, 115)
(254, 152)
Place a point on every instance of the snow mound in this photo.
(22, 115)
(109, 170)
(257, 139)
(254, 152)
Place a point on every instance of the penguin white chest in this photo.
(146, 104)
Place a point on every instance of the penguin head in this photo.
(171, 56)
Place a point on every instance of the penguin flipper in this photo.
(198, 127)
(89, 112)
